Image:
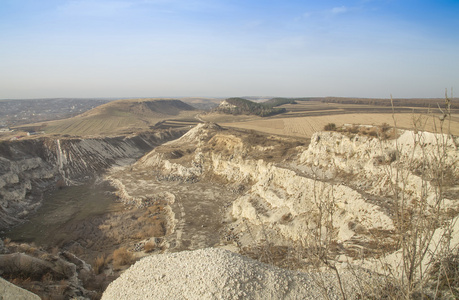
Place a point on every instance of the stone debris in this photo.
(214, 273)
(11, 291)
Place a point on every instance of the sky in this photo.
(224, 48)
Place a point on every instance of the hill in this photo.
(141, 108)
(25, 111)
(238, 106)
(121, 117)
(278, 102)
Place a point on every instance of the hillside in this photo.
(278, 102)
(281, 200)
(121, 117)
(141, 108)
(238, 106)
(284, 202)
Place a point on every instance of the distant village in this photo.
(15, 113)
(19, 112)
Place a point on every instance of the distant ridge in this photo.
(122, 116)
(238, 106)
(169, 107)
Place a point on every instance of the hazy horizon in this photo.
(197, 48)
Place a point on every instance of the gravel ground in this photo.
(217, 274)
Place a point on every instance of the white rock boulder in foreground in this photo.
(216, 274)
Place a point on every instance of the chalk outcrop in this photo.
(340, 188)
(28, 167)
(217, 274)
(277, 200)
(11, 291)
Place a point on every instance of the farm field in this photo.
(300, 120)
(307, 117)
(307, 126)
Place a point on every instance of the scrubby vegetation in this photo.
(52, 274)
(427, 260)
(383, 131)
(278, 102)
(99, 263)
(240, 106)
(330, 127)
(411, 102)
(122, 257)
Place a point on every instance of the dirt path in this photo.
(199, 211)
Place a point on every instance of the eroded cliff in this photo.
(282, 193)
(29, 167)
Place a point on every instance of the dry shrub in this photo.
(97, 284)
(353, 129)
(150, 246)
(384, 127)
(122, 257)
(330, 127)
(31, 250)
(373, 132)
(99, 263)
(444, 276)
(55, 250)
(48, 277)
(156, 228)
(386, 132)
(287, 218)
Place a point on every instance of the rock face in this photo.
(338, 191)
(277, 202)
(49, 275)
(369, 163)
(11, 291)
(338, 188)
(217, 274)
(28, 167)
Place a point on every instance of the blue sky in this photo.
(153, 48)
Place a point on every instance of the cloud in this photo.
(190, 5)
(327, 13)
(339, 10)
(94, 8)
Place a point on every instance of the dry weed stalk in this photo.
(428, 263)
(317, 245)
(418, 218)
(99, 263)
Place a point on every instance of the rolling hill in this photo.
(238, 106)
(121, 117)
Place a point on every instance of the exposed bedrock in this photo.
(29, 167)
(219, 274)
(285, 191)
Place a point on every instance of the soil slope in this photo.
(122, 116)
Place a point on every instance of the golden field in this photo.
(307, 117)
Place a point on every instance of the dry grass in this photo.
(122, 257)
(149, 247)
(107, 124)
(121, 117)
(307, 126)
(99, 263)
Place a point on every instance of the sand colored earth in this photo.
(307, 126)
